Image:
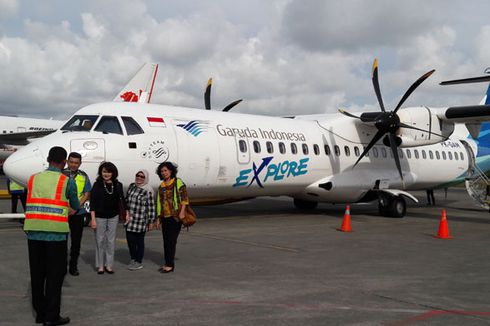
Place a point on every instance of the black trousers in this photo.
(76, 232)
(136, 245)
(14, 199)
(47, 261)
(170, 230)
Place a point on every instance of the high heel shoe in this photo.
(164, 271)
(108, 271)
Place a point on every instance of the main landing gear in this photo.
(305, 204)
(391, 206)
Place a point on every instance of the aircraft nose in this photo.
(23, 163)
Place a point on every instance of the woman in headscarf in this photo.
(141, 209)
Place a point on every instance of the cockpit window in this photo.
(109, 125)
(132, 127)
(80, 123)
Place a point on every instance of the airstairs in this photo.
(478, 186)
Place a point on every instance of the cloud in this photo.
(8, 8)
(349, 25)
(292, 57)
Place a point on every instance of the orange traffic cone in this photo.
(443, 229)
(346, 222)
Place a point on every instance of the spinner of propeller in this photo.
(388, 122)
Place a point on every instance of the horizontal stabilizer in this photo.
(481, 79)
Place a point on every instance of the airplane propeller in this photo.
(207, 98)
(389, 122)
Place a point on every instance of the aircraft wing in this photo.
(140, 87)
(22, 138)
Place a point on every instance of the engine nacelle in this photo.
(422, 118)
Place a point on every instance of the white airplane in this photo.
(19, 131)
(225, 156)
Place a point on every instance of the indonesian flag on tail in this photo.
(156, 122)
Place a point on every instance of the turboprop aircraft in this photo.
(225, 156)
(19, 131)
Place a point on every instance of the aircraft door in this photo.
(199, 157)
(242, 149)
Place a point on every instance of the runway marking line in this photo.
(434, 313)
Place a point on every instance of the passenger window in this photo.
(356, 151)
(443, 155)
(367, 153)
(282, 148)
(294, 149)
(270, 147)
(80, 123)
(409, 154)
(375, 152)
(461, 156)
(256, 146)
(347, 150)
(243, 146)
(383, 152)
(437, 155)
(450, 155)
(109, 125)
(423, 154)
(431, 155)
(337, 150)
(327, 149)
(305, 149)
(316, 149)
(400, 153)
(132, 127)
(416, 154)
(456, 156)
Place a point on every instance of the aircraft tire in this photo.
(304, 204)
(392, 206)
(397, 207)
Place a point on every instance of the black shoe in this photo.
(74, 271)
(100, 272)
(109, 271)
(60, 321)
(39, 320)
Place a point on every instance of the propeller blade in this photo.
(376, 85)
(394, 150)
(207, 95)
(348, 114)
(231, 105)
(413, 87)
(403, 125)
(373, 141)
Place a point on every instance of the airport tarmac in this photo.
(262, 262)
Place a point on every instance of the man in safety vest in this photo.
(51, 197)
(76, 221)
(16, 192)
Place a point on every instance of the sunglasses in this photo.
(142, 176)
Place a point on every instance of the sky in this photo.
(282, 57)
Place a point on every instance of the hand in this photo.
(181, 214)
(93, 224)
(71, 211)
(156, 225)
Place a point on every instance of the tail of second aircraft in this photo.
(483, 140)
